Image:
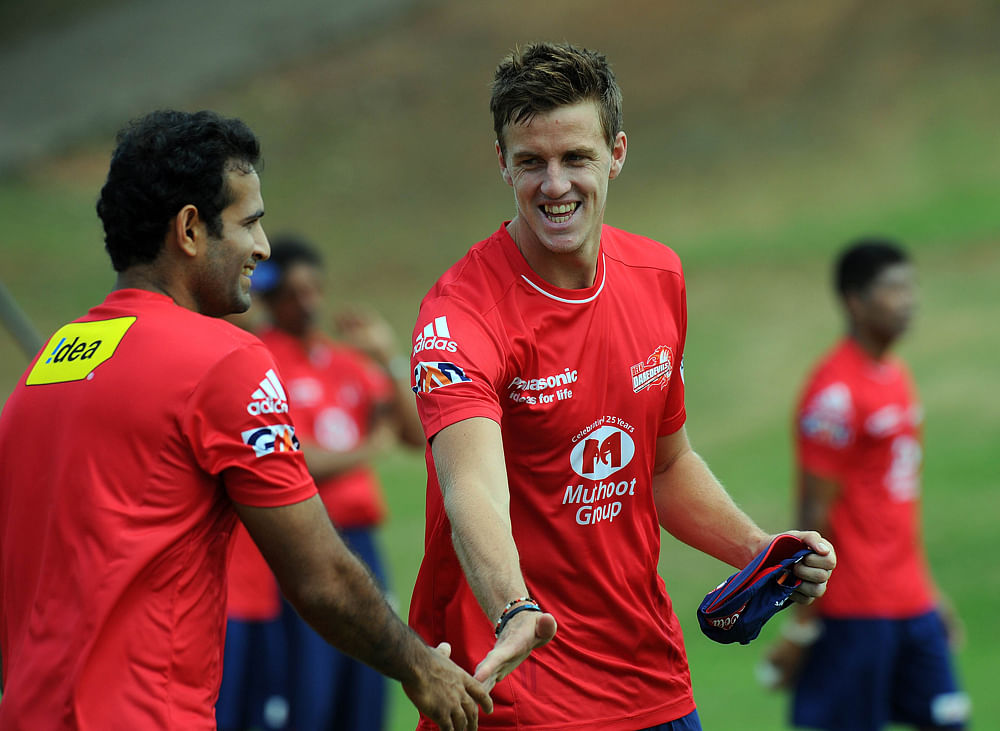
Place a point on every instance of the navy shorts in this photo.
(690, 722)
(864, 673)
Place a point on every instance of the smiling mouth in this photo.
(559, 212)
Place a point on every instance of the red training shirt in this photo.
(858, 424)
(582, 382)
(122, 450)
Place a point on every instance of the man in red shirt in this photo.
(877, 644)
(548, 367)
(134, 442)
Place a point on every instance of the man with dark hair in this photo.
(548, 367)
(350, 399)
(134, 442)
(874, 649)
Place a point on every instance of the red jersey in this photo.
(333, 393)
(582, 382)
(122, 450)
(858, 424)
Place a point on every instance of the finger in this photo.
(486, 671)
(444, 648)
(471, 712)
(811, 574)
(480, 694)
(828, 562)
(545, 628)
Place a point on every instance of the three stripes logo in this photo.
(269, 398)
(435, 336)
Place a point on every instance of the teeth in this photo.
(561, 209)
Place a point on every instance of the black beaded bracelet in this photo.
(505, 617)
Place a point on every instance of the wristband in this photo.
(802, 634)
(506, 616)
(507, 608)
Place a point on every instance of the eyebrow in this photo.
(255, 216)
(582, 151)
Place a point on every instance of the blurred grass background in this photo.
(761, 137)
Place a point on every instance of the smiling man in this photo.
(135, 441)
(548, 367)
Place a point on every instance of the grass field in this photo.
(761, 137)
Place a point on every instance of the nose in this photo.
(556, 182)
(262, 247)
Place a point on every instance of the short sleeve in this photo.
(456, 364)
(825, 427)
(238, 426)
(674, 412)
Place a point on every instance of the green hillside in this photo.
(761, 137)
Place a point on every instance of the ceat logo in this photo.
(435, 336)
(271, 438)
(428, 376)
(269, 396)
(655, 371)
(602, 453)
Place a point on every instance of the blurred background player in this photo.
(549, 378)
(875, 647)
(350, 399)
(138, 438)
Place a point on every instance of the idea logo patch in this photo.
(77, 349)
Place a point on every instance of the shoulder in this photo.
(483, 274)
(637, 251)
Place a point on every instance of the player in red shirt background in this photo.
(548, 367)
(875, 648)
(350, 399)
(135, 441)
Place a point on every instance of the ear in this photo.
(188, 230)
(504, 171)
(854, 304)
(618, 155)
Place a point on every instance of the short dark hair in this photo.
(162, 162)
(287, 250)
(862, 261)
(542, 76)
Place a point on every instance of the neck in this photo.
(570, 270)
(874, 346)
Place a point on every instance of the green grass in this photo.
(759, 141)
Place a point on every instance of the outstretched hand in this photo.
(448, 695)
(519, 637)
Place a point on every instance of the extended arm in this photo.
(334, 592)
(469, 460)
(695, 508)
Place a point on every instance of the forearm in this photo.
(482, 539)
(332, 590)
(695, 508)
(469, 461)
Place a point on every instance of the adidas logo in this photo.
(269, 398)
(435, 336)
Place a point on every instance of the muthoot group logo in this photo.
(598, 454)
(602, 452)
